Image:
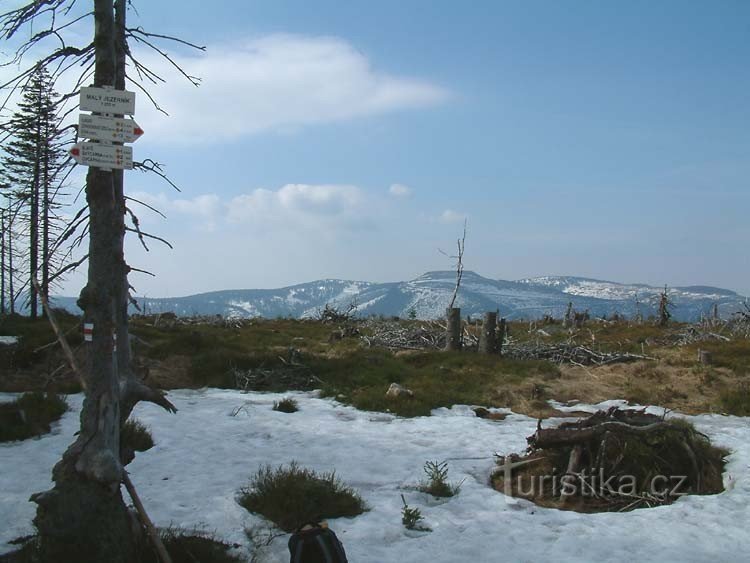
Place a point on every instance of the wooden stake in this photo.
(60, 334)
(145, 520)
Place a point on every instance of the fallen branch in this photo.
(59, 333)
(145, 520)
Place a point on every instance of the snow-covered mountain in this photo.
(429, 294)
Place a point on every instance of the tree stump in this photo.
(453, 329)
(705, 357)
(488, 337)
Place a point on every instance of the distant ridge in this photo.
(429, 294)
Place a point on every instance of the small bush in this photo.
(291, 496)
(438, 485)
(287, 405)
(136, 436)
(30, 415)
(411, 518)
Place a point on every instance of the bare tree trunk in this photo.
(45, 219)
(34, 220)
(11, 271)
(488, 338)
(2, 260)
(501, 335)
(453, 329)
(84, 514)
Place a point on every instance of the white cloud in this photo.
(400, 190)
(451, 216)
(204, 208)
(290, 207)
(301, 205)
(277, 82)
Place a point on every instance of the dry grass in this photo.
(190, 356)
(292, 496)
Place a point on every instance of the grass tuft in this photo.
(189, 546)
(30, 415)
(287, 405)
(136, 436)
(292, 496)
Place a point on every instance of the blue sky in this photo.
(349, 140)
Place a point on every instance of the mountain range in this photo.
(428, 295)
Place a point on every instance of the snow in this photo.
(203, 455)
(8, 340)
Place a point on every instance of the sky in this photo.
(352, 139)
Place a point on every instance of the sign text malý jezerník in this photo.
(105, 100)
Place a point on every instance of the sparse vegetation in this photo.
(287, 405)
(411, 518)
(291, 496)
(189, 546)
(180, 355)
(30, 415)
(736, 400)
(437, 484)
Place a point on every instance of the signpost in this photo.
(107, 100)
(103, 156)
(115, 129)
(103, 129)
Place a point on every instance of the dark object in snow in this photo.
(613, 460)
(316, 543)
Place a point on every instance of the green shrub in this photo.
(437, 484)
(291, 496)
(30, 415)
(136, 436)
(287, 405)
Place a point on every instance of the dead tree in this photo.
(84, 516)
(665, 304)
(568, 317)
(453, 340)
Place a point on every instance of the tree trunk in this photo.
(34, 222)
(501, 331)
(3, 242)
(84, 515)
(453, 329)
(45, 216)
(11, 272)
(488, 338)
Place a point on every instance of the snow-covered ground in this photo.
(204, 454)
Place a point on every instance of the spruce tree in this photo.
(33, 163)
